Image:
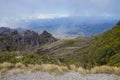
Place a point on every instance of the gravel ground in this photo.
(67, 76)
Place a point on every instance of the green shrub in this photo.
(68, 42)
(115, 60)
(30, 59)
(8, 57)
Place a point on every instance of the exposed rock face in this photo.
(26, 41)
(47, 37)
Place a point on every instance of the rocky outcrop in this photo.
(25, 41)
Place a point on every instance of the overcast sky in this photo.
(25, 9)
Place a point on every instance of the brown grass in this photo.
(19, 67)
(96, 70)
(116, 70)
(73, 68)
(6, 65)
(102, 69)
(49, 68)
(105, 69)
(17, 71)
(83, 71)
(3, 71)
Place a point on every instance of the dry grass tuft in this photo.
(19, 65)
(34, 68)
(64, 68)
(83, 71)
(17, 71)
(6, 65)
(116, 70)
(20, 68)
(102, 69)
(49, 68)
(73, 68)
(96, 70)
(3, 71)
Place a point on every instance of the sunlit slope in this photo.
(104, 51)
(106, 48)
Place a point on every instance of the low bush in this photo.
(31, 58)
(68, 42)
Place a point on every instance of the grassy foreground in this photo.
(52, 68)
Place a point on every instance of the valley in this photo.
(59, 39)
(102, 49)
(91, 56)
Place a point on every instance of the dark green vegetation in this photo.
(68, 42)
(103, 49)
(27, 58)
(106, 47)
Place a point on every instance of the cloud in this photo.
(110, 7)
(95, 7)
(51, 16)
(18, 9)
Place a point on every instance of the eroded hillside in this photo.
(22, 41)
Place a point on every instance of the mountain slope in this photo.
(25, 41)
(106, 47)
(66, 49)
(103, 49)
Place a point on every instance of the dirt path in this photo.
(67, 76)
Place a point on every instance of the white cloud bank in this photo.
(14, 10)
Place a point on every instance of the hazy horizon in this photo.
(14, 10)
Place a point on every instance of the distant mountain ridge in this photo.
(68, 27)
(23, 41)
